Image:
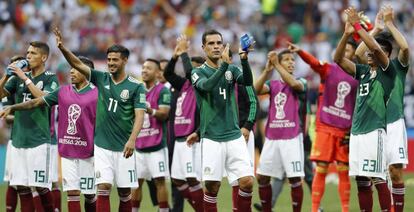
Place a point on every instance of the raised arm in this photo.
(247, 72)
(404, 53)
(339, 56)
(34, 90)
(372, 45)
(207, 84)
(259, 84)
(362, 48)
(70, 57)
(181, 47)
(22, 106)
(312, 61)
(285, 75)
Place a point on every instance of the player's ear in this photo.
(44, 58)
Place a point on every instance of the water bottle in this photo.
(246, 41)
(20, 64)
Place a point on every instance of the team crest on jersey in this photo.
(228, 75)
(39, 85)
(207, 171)
(124, 95)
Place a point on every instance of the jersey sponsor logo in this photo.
(39, 85)
(124, 95)
(228, 75)
(342, 91)
(194, 77)
(74, 112)
(280, 101)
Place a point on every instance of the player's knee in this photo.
(74, 193)
(23, 190)
(341, 167)
(177, 182)
(124, 192)
(89, 198)
(321, 168)
(104, 186)
(192, 181)
(212, 186)
(396, 173)
(159, 182)
(294, 180)
(263, 180)
(246, 183)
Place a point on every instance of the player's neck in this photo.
(81, 85)
(118, 76)
(212, 63)
(150, 84)
(37, 71)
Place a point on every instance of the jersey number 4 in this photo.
(113, 105)
(222, 91)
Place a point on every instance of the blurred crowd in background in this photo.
(149, 28)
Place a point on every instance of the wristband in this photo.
(153, 112)
(357, 26)
(27, 81)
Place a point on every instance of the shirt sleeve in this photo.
(11, 85)
(238, 74)
(164, 99)
(140, 98)
(399, 66)
(304, 83)
(359, 69)
(318, 66)
(52, 98)
(96, 76)
(52, 84)
(253, 108)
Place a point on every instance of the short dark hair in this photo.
(16, 58)
(210, 32)
(385, 45)
(198, 59)
(87, 61)
(283, 52)
(385, 35)
(44, 48)
(154, 61)
(352, 42)
(118, 49)
(164, 61)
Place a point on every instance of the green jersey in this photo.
(115, 113)
(373, 94)
(395, 107)
(31, 128)
(218, 109)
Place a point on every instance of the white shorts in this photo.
(32, 166)
(280, 157)
(112, 167)
(7, 163)
(78, 174)
(184, 163)
(231, 156)
(250, 148)
(152, 164)
(367, 155)
(396, 143)
(55, 162)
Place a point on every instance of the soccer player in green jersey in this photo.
(395, 148)
(376, 80)
(31, 129)
(222, 143)
(119, 118)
